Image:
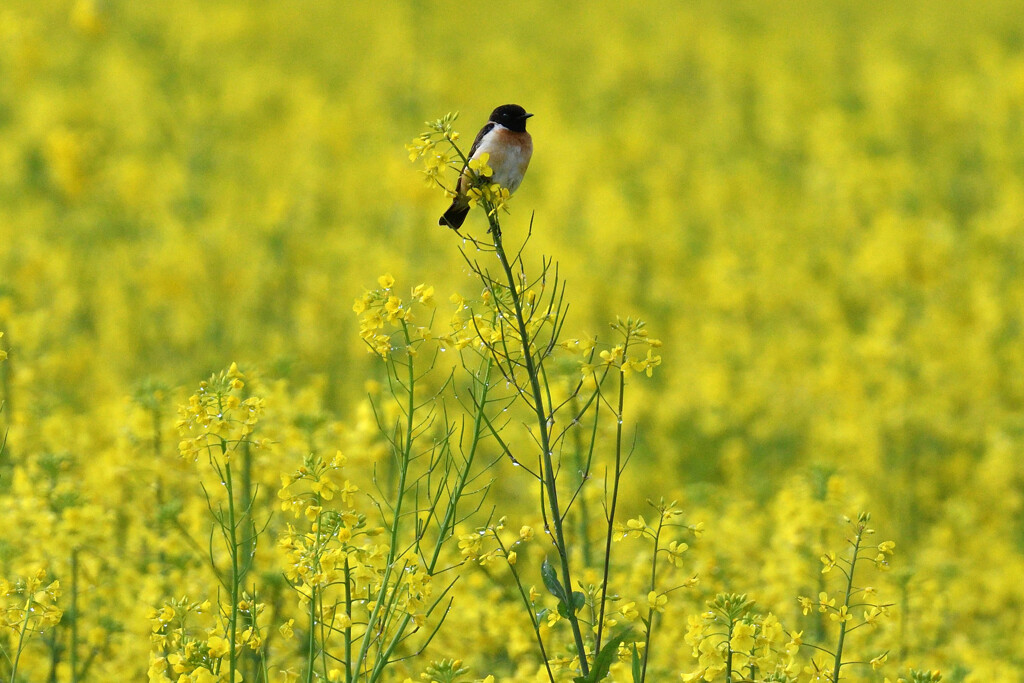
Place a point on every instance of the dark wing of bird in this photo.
(472, 150)
(480, 136)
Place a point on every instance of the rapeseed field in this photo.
(731, 389)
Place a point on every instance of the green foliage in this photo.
(604, 660)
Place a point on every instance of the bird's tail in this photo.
(455, 215)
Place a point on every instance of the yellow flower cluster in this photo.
(731, 637)
(621, 356)
(29, 603)
(487, 544)
(217, 419)
(382, 312)
(482, 192)
(327, 553)
(187, 651)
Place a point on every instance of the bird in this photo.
(509, 146)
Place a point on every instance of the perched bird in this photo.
(505, 139)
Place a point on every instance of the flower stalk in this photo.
(544, 422)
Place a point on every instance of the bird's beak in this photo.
(526, 116)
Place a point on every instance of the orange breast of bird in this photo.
(509, 155)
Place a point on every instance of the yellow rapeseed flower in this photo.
(742, 639)
(657, 601)
(218, 646)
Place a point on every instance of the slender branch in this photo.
(232, 541)
(611, 509)
(544, 425)
(849, 590)
(653, 614)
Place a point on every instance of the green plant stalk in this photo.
(529, 610)
(584, 517)
(611, 510)
(548, 472)
(21, 638)
(728, 651)
(248, 540)
(448, 522)
(450, 513)
(348, 611)
(846, 603)
(371, 621)
(383, 653)
(314, 595)
(233, 552)
(325, 634)
(652, 614)
(311, 648)
(261, 665)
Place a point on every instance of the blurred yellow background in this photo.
(817, 206)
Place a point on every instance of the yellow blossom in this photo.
(480, 167)
(286, 629)
(218, 646)
(657, 601)
(742, 639)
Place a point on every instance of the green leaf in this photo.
(637, 671)
(578, 601)
(547, 572)
(604, 660)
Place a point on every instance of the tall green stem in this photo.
(233, 552)
(311, 645)
(728, 651)
(534, 622)
(583, 516)
(846, 602)
(403, 472)
(21, 638)
(463, 478)
(449, 519)
(548, 472)
(653, 614)
(611, 508)
(348, 611)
